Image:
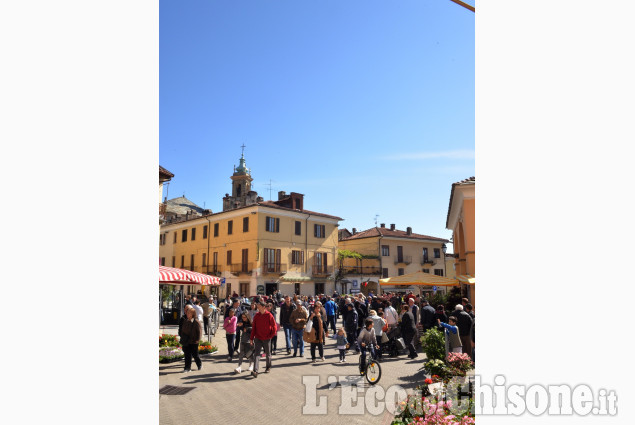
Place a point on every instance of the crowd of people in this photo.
(366, 324)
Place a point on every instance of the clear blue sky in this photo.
(365, 107)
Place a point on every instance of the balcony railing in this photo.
(405, 259)
(241, 268)
(274, 268)
(321, 270)
(427, 260)
(361, 270)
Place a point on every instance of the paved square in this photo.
(221, 396)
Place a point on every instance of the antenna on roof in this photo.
(376, 215)
(269, 184)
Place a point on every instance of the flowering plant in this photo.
(206, 348)
(167, 354)
(167, 340)
(425, 411)
(460, 363)
(437, 368)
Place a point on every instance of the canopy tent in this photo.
(467, 279)
(419, 278)
(170, 275)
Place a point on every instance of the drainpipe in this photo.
(306, 243)
(209, 231)
(381, 270)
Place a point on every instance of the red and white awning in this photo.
(172, 275)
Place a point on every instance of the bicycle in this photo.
(372, 372)
(212, 324)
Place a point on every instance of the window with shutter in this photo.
(215, 230)
(298, 228)
(204, 232)
(277, 225)
(230, 227)
(229, 258)
(245, 224)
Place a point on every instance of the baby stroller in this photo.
(395, 343)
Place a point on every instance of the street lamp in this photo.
(444, 248)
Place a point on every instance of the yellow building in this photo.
(461, 215)
(257, 246)
(390, 252)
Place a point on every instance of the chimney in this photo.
(354, 230)
(281, 195)
(383, 224)
(392, 227)
(409, 230)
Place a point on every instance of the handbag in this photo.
(384, 338)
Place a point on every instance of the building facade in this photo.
(257, 247)
(461, 220)
(390, 252)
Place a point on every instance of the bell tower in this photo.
(242, 194)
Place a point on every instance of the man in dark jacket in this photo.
(350, 326)
(285, 312)
(428, 319)
(464, 323)
(408, 331)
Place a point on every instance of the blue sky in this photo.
(365, 107)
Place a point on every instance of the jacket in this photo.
(408, 326)
(317, 332)
(190, 332)
(298, 313)
(350, 322)
(341, 341)
(452, 333)
(367, 337)
(427, 317)
(464, 322)
(285, 313)
(263, 326)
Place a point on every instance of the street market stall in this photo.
(171, 295)
(417, 279)
(470, 283)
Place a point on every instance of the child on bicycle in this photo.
(365, 339)
(341, 344)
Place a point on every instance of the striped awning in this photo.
(419, 278)
(172, 275)
(468, 279)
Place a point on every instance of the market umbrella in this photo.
(419, 278)
(171, 275)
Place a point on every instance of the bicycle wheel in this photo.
(373, 372)
(359, 365)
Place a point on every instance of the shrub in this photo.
(433, 344)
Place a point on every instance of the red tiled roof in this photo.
(469, 180)
(274, 205)
(382, 231)
(164, 172)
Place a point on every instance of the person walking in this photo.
(317, 332)
(263, 328)
(246, 349)
(285, 314)
(274, 340)
(298, 319)
(428, 320)
(330, 308)
(351, 326)
(408, 331)
(391, 315)
(229, 324)
(341, 344)
(378, 326)
(464, 322)
(189, 335)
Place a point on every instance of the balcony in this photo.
(320, 270)
(361, 270)
(427, 260)
(274, 268)
(241, 268)
(404, 259)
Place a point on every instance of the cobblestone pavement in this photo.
(221, 396)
